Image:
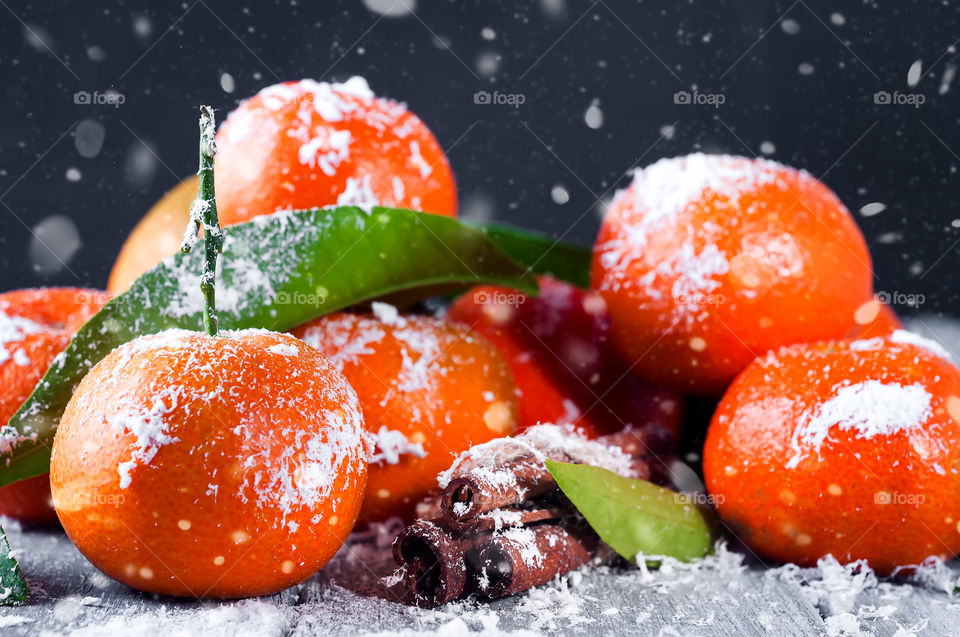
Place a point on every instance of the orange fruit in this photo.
(199, 466)
(305, 144)
(707, 261)
(849, 448)
(562, 360)
(35, 325)
(157, 236)
(429, 389)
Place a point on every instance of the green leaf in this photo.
(635, 516)
(563, 261)
(278, 271)
(13, 589)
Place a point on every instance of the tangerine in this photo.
(35, 325)
(429, 389)
(707, 261)
(305, 144)
(226, 466)
(850, 448)
(562, 359)
(155, 237)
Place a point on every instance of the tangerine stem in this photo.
(203, 213)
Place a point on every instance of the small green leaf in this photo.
(13, 589)
(277, 272)
(563, 261)
(635, 516)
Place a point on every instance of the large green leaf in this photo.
(635, 517)
(13, 590)
(564, 261)
(277, 272)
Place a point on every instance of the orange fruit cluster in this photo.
(237, 465)
(836, 431)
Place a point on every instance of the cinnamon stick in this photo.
(434, 562)
(468, 496)
(500, 525)
(521, 558)
(503, 518)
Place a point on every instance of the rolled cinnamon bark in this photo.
(434, 562)
(520, 558)
(466, 497)
(503, 518)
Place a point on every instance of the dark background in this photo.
(798, 81)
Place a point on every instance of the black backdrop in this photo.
(598, 81)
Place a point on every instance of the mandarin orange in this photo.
(563, 362)
(305, 144)
(35, 325)
(850, 448)
(708, 261)
(226, 466)
(155, 237)
(429, 389)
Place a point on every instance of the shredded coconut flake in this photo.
(542, 442)
(13, 330)
(871, 408)
(284, 349)
(388, 314)
(901, 337)
(357, 192)
(147, 426)
(418, 160)
(391, 444)
(905, 336)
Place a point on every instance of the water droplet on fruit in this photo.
(497, 313)
(497, 418)
(953, 408)
(240, 537)
(867, 312)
